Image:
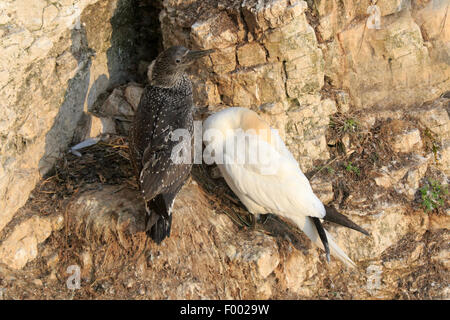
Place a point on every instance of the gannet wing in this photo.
(271, 179)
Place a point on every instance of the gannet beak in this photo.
(192, 55)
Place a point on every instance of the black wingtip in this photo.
(160, 229)
(322, 236)
(334, 216)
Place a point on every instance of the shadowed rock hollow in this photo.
(363, 110)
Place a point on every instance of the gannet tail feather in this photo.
(322, 236)
(338, 252)
(307, 225)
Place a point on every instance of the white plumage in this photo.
(270, 179)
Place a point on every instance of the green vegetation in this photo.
(351, 168)
(433, 195)
(343, 125)
(350, 125)
(431, 143)
(329, 169)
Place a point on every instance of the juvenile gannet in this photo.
(166, 105)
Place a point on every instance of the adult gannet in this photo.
(265, 176)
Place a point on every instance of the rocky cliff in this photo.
(359, 94)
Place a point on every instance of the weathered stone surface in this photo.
(218, 31)
(305, 129)
(21, 246)
(271, 14)
(299, 272)
(415, 173)
(216, 260)
(358, 58)
(100, 126)
(405, 179)
(389, 177)
(272, 108)
(322, 189)
(116, 106)
(57, 58)
(444, 162)
(133, 95)
(443, 256)
(402, 136)
(343, 101)
(434, 26)
(264, 256)
(251, 54)
(93, 215)
(251, 87)
(388, 223)
(267, 55)
(434, 116)
(224, 60)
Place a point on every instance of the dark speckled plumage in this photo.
(166, 105)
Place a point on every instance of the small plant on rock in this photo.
(351, 168)
(341, 124)
(350, 125)
(433, 195)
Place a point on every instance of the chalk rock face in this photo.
(267, 54)
(22, 245)
(57, 58)
(273, 52)
(403, 136)
(394, 62)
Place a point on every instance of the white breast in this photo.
(263, 173)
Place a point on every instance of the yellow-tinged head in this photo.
(229, 120)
